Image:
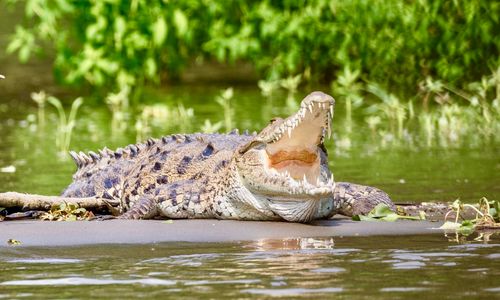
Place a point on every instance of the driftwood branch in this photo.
(39, 202)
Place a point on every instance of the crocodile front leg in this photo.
(144, 208)
(176, 200)
(353, 199)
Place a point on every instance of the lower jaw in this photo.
(298, 170)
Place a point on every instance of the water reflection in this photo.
(380, 267)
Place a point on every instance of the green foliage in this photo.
(67, 212)
(487, 216)
(120, 43)
(382, 212)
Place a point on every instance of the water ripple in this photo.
(291, 291)
(87, 281)
(47, 260)
(403, 289)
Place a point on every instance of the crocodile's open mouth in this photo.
(286, 161)
(294, 147)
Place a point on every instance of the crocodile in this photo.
(280, 173)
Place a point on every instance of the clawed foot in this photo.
(103, 218)
(354, 199)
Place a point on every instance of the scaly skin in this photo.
(279, 174)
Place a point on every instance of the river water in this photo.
(394, 267)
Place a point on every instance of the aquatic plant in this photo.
(487, 216)
(208, 127)
(118, 104)
(224, 100)
(291, 84)
(348, 87)
(65, 124)
(164, 117)
(40, 98)
(268, 87)
(394, 111)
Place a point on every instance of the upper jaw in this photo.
(317, 107)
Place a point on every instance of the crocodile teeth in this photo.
(331, 111)
(289, 132)
(310, 107)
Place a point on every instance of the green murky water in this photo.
(369, 268)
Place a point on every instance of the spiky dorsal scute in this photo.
(91, 163)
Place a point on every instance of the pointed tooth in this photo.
(289, 130)
(317, 181)
(310, 107)
(331, 111)
(304, 179)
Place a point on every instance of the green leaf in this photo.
(382, 212)
(181, 22)
(150, 66)
(24, 54)
(467, 227)
(160, 31)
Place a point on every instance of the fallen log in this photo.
(40, 202)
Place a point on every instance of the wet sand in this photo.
(45, 233)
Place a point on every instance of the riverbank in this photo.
(40, 233)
